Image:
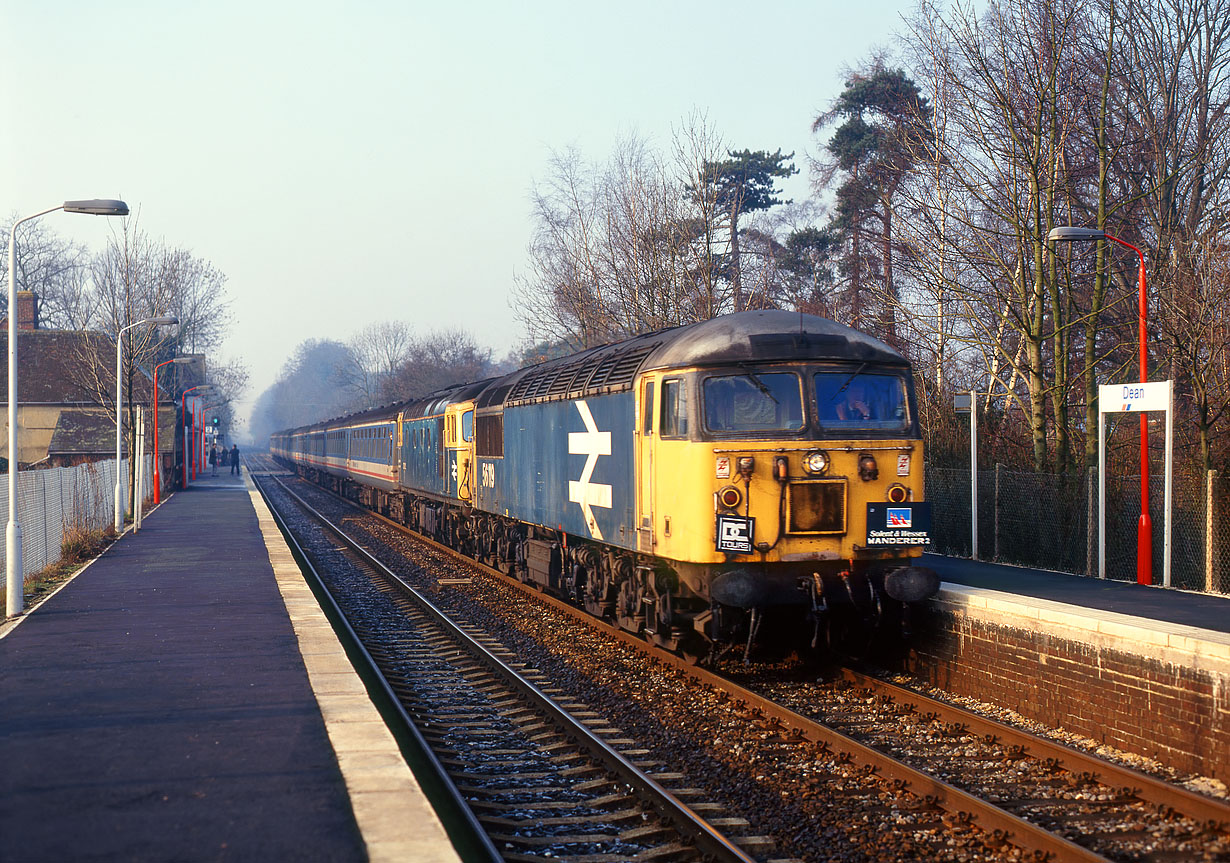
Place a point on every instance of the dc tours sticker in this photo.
(735, 534)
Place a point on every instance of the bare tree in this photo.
(440, 359)
(1180, 97)
(379, 350)
(308, 389)
(635, 245)
(55, 269)
(130, 286)
(194, 290)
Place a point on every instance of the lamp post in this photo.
(119, 412)
(1144, 528)
(14, 574)
(157, 454)
(187, 432)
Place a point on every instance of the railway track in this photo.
(544, 776)
(929, 770)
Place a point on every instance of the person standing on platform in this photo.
(213, 458)
(234, 458)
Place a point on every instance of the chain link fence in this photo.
(53, 501)
(1050, 521)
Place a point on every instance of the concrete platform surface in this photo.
(1178, 607)
(166, 705)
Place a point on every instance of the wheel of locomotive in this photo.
(629, 609)
(597, 596)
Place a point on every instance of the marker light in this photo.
(729, 497)
(781, 468)
(746, 463)
(897, 493)
(867, 467)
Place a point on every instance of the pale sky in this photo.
(347, 162)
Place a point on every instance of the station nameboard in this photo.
(1123, 398)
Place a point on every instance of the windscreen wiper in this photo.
(841, 389)
(751, 376)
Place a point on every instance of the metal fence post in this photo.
(973, 467)
(997, 467)
(1210, 538)
(1090, 523)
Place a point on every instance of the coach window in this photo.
(674, 408)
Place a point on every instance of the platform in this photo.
(183, 698)
(1143, 669)
(1164, 605)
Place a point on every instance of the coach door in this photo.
(646, 438)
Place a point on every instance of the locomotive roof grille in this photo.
(602, 370)
(494, 396)
(620, 369)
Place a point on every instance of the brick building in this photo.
(64, 378)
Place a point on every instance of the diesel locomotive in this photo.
(689, 484)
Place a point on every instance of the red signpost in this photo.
(1144, 529)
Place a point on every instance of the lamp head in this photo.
(179, 361)
(1068, 233)
(97, 207)
(164, 319)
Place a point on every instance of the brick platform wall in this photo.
(1160, 691)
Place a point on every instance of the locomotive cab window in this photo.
(467, 426)
(752, 401)
(862, 402)
(647, 409)
(674, 421)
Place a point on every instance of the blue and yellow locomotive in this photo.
(688, 483)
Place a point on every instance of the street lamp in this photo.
(1144, 528)
(179, 361)
(205, 388)
(119, 414)
(14, 574)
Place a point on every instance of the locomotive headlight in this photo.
(816, 462)
(729, 497)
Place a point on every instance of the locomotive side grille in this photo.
(818, 506)
(489, 435)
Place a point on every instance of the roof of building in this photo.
(70, 367)
(91, 431)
